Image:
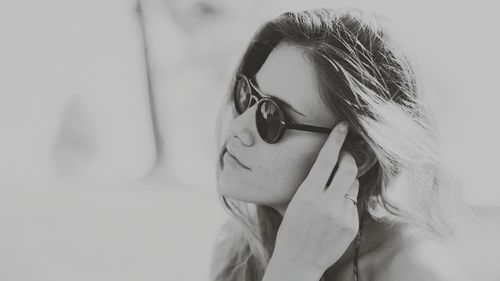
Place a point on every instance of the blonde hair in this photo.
(369, 82)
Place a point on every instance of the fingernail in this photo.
(342, 127)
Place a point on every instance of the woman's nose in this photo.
(243, 127)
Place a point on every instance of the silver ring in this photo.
(352, 198)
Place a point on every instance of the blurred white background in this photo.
(105, 176)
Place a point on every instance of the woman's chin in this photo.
(237, 191)
(231, 190)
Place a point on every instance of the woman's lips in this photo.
(234, 159)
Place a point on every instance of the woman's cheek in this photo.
(292, 175)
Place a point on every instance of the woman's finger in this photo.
(354, 189)
(353, 192)
(345, 175)
(328, 155)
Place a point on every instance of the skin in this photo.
(287, 75)
(319, 225)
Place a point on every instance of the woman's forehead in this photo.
(288, 75)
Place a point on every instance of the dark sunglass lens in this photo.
(242, 96)
(268, 119)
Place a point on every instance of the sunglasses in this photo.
(270, 119)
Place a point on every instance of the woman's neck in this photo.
(374, 236)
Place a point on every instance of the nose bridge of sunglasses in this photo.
(253, 100)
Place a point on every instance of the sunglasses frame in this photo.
(285, 123)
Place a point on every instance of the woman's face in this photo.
(273, 172)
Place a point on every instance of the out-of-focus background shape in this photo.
(107, 127)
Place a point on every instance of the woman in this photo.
(366, 200)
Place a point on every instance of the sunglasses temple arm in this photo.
(309, 128)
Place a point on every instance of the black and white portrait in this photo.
(249, 140)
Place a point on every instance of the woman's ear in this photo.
(365, 158)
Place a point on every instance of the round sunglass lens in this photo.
(268, 119)
(242, 97)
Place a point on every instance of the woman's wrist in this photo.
(280, 270)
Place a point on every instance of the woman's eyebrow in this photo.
(284, 103)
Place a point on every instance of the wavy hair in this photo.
(368, 81)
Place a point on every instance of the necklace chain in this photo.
(356, 252)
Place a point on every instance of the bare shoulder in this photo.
(417, 258)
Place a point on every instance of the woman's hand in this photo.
(320, 222)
